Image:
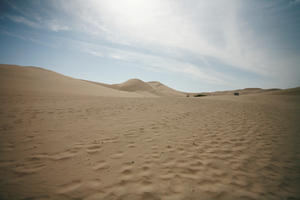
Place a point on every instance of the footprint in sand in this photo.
(93, 148)
(101, 165)
(126, 172)
(131, 145)
(69, 187)
(117, 155)
(114, 139)
(167, 175)
(79, 186)
(8, 147)
(93, 184)
(29, 167)
(41, 156)
(149, 139)
(69, 153)
(63, 155)
(156, 155)
(130, 135)
(146, 186)
(5, 163)
(169, 148)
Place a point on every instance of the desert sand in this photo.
(64, 138)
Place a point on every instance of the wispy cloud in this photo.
(156, 63)
(52, 25)
(31, 13)
(23, 20)
(205, 28)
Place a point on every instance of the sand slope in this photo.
(17, 80)
(165, 90)
(38, 81)
(90, 147)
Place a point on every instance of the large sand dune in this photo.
(57, 142)
(37, 81)
(33, 81)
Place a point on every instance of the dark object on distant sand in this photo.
(236, 94)
(200, 95)
(187, 95)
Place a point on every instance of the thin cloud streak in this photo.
(152, 62)
(216, 30)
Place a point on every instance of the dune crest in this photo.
(135, 85)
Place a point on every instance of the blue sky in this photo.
(189, 45)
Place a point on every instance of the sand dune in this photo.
(35, 81)
(58, 145)
(151, 88)
(136, 85)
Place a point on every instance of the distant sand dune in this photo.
(135, 85)
(291, 91)
(151, 88)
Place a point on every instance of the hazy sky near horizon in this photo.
(189, 45)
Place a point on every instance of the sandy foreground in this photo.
(89, 147)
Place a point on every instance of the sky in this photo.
(189, 45)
